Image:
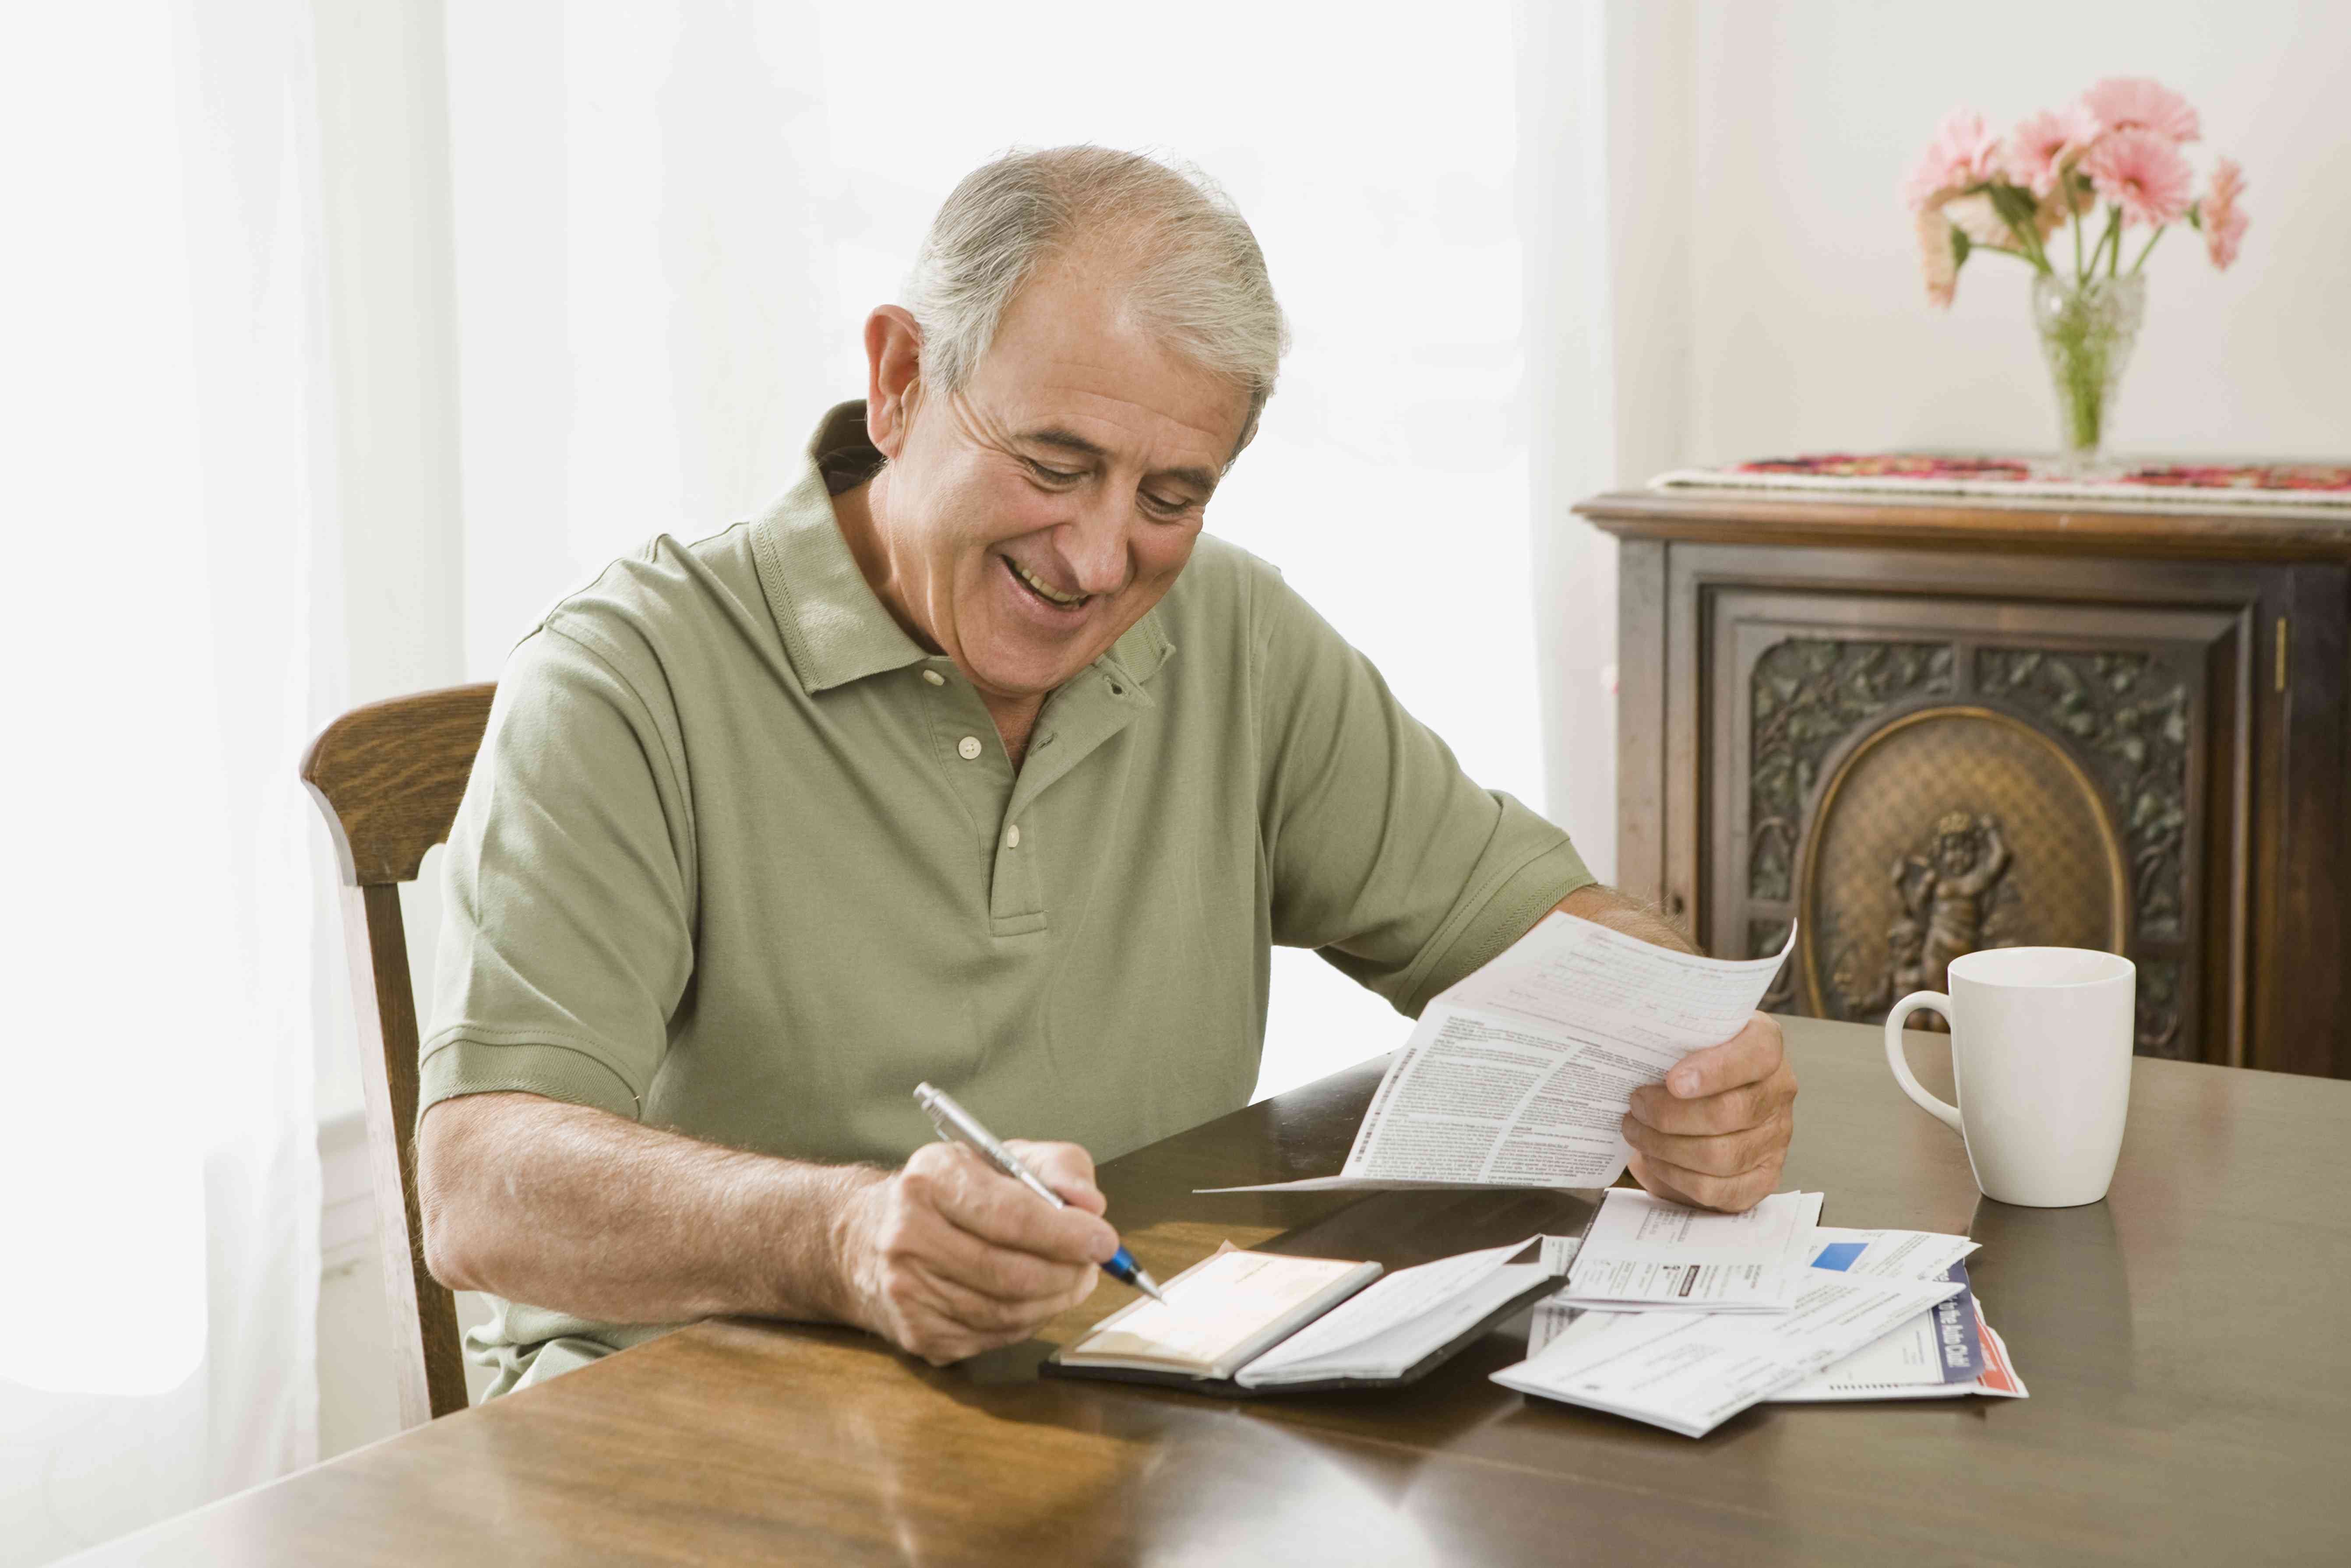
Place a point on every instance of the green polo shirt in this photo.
(740, 858)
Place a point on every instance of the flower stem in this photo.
(2112, 236)
(2037, 253)
(2150, 245)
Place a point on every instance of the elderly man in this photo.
(973, 761)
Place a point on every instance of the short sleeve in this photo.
(566, 938)
(1383, 854)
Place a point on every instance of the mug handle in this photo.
(1933, 1001)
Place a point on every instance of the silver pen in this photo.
(958, 1125)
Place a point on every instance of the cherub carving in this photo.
(1948, 892)
(1947, 897)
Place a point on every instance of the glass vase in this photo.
(2087, 329)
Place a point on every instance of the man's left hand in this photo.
(1715, 1134)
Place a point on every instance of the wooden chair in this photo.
(388, 777)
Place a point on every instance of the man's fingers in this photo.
(1696, 1190)
(1721, 1089)
(1718, 1154)
(929, 1242)
(1067, 1168)
(951, 1301)
(1752, 1054)
(1732, 1111)
(978, 1198)
(1655, 1185)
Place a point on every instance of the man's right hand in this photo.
(949, 1257)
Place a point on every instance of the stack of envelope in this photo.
(1682, 1319)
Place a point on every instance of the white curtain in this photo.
(672, 217)
(170, 957)
(666, 222)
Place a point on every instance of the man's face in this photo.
(1035, 514)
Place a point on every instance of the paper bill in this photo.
(1520, 1075)
(1552, 1318)
(1690, 1371)
(1644, 1253)
(1888, 1254)
(1943, 1352)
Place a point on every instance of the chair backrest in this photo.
(389, 777)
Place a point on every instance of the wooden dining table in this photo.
(2183, 1343)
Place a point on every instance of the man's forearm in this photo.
(581, 1211)
(1620, 912)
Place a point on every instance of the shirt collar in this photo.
(835, 628)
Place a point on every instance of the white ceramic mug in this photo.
(2041, 1052)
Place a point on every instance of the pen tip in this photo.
(1149, 1287)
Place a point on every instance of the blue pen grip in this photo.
(1122, 1266)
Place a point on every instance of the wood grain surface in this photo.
(2191, 1392)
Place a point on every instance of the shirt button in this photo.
(968, 748)
(936, 678)
(1012, 837)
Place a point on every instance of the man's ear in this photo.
(893, 366)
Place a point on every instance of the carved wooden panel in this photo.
(1809, 694)
(2127, 713)
(2200, 681)
(1916, 780)
(1950, 829)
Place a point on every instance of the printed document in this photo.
(1945, 1352)
(1644, 1254)
(1887, 1254)
(1551, 1319)
(1690, 1371)
(1520, 1075)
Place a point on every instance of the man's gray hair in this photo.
(1194, 274)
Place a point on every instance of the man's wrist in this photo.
(1621, 911)
(826, 1221)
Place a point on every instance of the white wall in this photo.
(1807, 325)
(1719, 267)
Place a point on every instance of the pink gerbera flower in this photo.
(1964, 152)
(2222, 220)
(1980, 221)
(2125, 103)
(2142, 172)
(2041, 144)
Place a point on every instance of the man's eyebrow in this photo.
(1200, 479)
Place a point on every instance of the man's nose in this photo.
(1093, 544)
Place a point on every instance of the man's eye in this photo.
(1054, 476)
(1164, 503)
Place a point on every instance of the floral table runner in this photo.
(2310, 483)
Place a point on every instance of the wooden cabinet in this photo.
(1920, 728)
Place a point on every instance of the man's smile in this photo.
(1043, 591)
